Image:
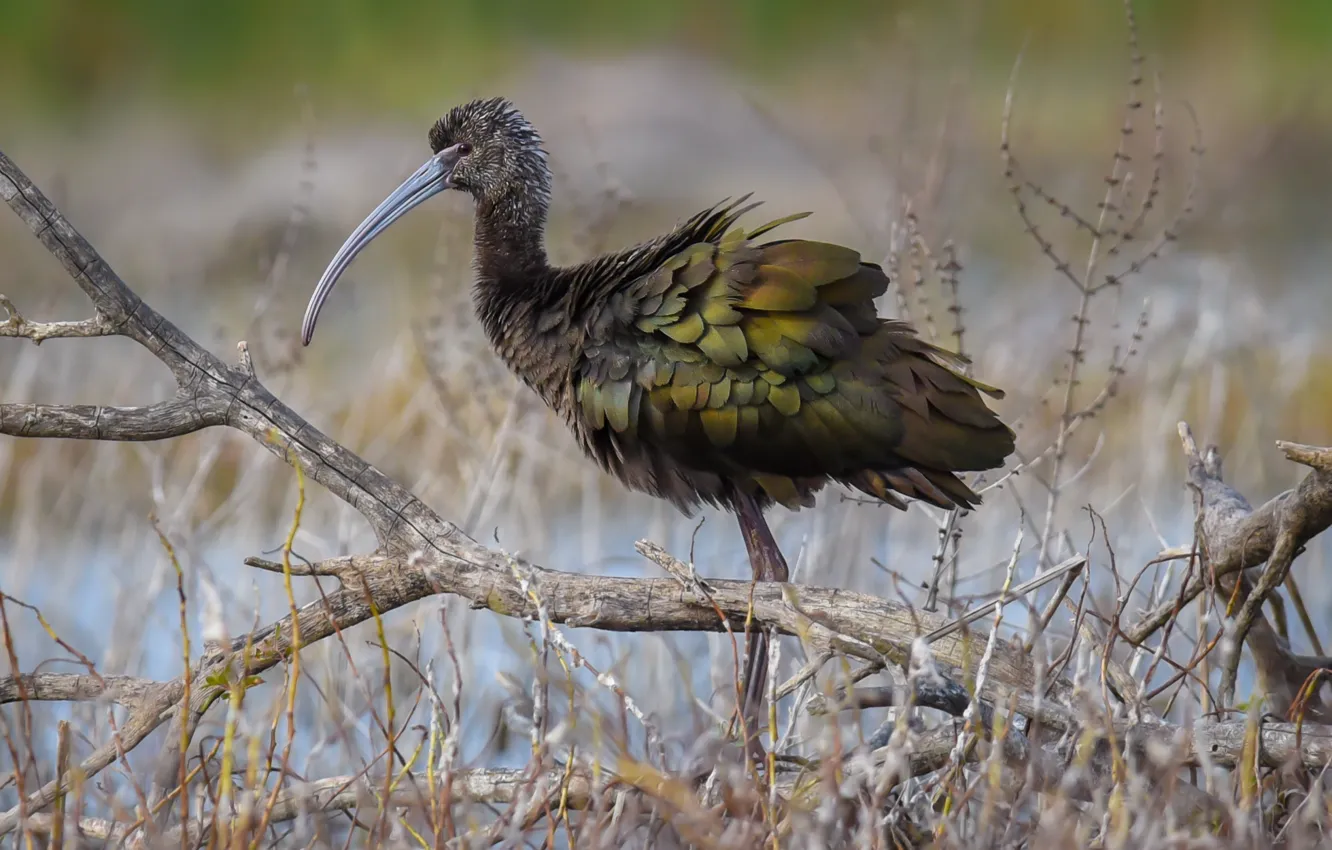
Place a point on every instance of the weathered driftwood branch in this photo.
(419, 553)
(856, 624)
(16, 325)
(159, 421)
(348, 793)
(66, 687)
(1232, 537)
(1238, 536)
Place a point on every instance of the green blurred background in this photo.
(222, 74)
(58, 56)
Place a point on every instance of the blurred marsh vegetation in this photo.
(217, 154)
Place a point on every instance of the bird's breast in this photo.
(543, 364)
(535, 340)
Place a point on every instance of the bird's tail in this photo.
(945, 425)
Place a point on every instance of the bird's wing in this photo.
(769, 362)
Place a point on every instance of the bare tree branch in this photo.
(333, 567)
(1238, 536)
(160, 421)
(347, 793)
(64, 687)
(17, 326)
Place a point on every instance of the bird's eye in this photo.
(464, 149)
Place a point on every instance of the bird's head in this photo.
(497, 150)
(485, 148)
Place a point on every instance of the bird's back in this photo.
(709, 360)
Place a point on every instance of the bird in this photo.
(711, 365)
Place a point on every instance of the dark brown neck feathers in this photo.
(516, 290)
(510, 236)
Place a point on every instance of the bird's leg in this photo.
(767, 563)
(765, 557)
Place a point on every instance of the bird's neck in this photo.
(515, 288)
(511, 236)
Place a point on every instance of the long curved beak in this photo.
(429, 180)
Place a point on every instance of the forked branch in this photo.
(1237, 536)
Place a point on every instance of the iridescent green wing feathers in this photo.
(769, 362)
